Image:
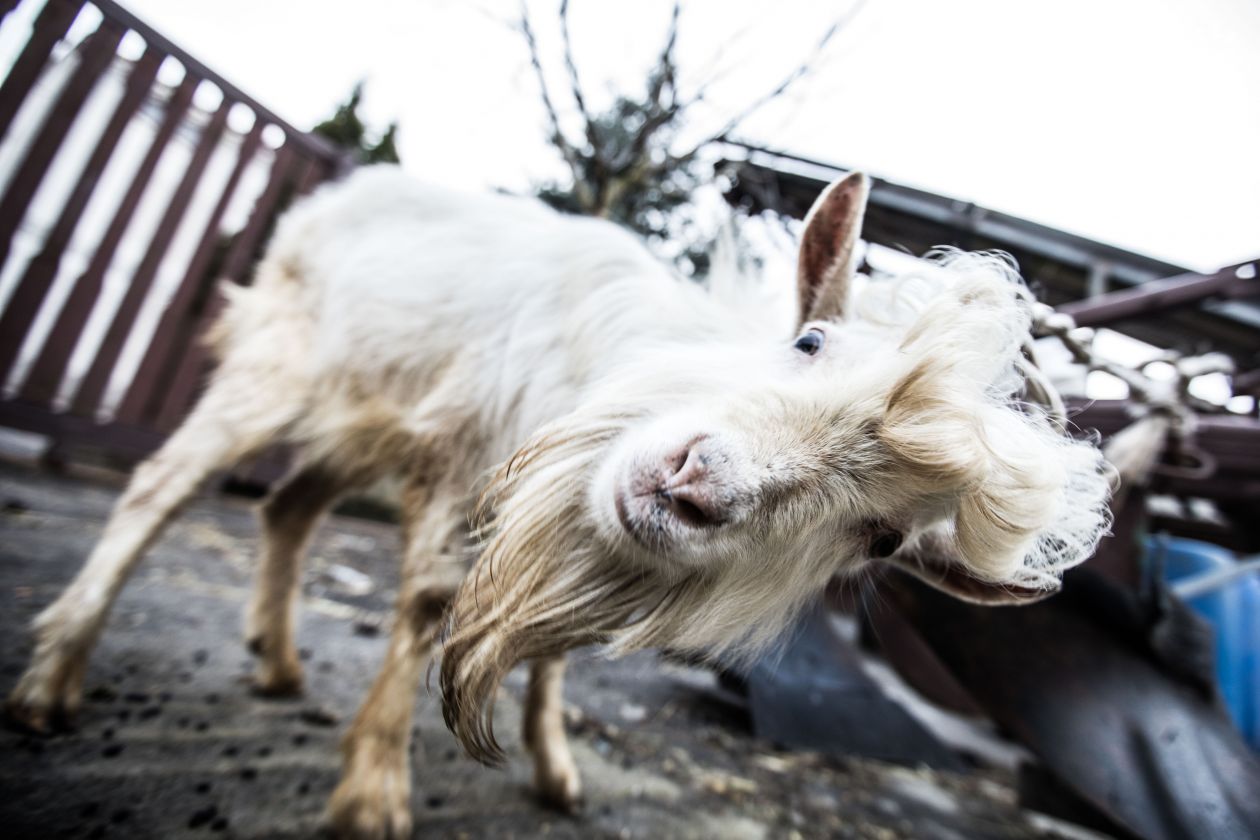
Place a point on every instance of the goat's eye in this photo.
(811, 342)
(884, 544)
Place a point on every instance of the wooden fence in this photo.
(54, 295)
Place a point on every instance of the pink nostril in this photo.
(677, 461)
(694, 505)
(694, 467)
(689, 492)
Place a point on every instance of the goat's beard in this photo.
(546, 582)
(538, 587)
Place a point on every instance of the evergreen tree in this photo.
(346, 129)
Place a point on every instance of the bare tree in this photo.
(627, 163)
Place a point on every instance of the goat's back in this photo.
(386, 290)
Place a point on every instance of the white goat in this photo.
(685, 474)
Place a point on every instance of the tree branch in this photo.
(666, 61)
(661, 115)
(799, 72)
(558, 139)
(574, 83)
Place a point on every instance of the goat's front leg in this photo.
(555, 774)
(230, 422)
(373, 799)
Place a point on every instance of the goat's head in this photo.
(707, 493)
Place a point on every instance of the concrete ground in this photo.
(171, 743)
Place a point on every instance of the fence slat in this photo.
(45, 374)
(192, 366)
(50, 27)
(96, 52)
(78, 306)
(316, 172)
(102, 367)
(285, 171)
(157, 358)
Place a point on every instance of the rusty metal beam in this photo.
(1247, 382)
(1233, 438)
(1162, 295)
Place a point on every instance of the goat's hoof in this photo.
(371, 806)
(278, 682)
(21, 715)
(47, 697)
(560, 790)
(42, 717)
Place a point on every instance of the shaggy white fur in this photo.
(659, 464)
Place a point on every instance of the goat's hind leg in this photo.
(230, 422)
(288, 518)
(555, 774)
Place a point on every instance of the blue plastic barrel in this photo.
(1234, 612)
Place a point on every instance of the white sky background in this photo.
(1135, 122)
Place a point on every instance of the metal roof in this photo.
(1061, 267)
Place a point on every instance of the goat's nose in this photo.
(690, 492)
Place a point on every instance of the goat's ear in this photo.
(941, 571)
(833, 227)
(988, 594)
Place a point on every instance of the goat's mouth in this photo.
(950, 575)
(652, 517)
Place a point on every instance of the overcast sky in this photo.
(1135, 122)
